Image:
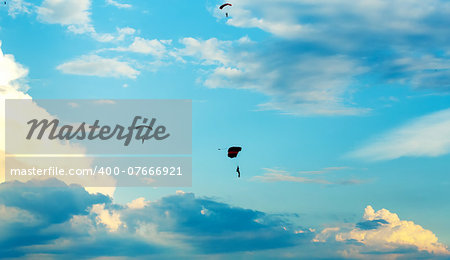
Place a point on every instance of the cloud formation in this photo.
(117, 4)
(13, 85)
(297, 79)
(273, 175)
(68, 12)
(157, 48)
(51, 218)
(382, 232)
(426, 136)
(75, 15)
(322, 52)
(94, 65)
(67, 221)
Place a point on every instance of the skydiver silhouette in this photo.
(226, 14)
(137, 127)
(239, 173)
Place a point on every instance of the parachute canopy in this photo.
(222, 6)
(233, 151)
(146, 126)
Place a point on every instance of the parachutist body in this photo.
(238, 172)
(226, 14)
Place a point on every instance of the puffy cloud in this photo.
(111, 219)
(13, 86)
(41, 218)
(223, 229)
(12, 75)
(66, 12)
(67, 221)
(424, 136)
(382, 232)
(138, 203)
(53, 205)
(153, 47)
(58, 220)
(94, 65)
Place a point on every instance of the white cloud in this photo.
(138, 203)
(153, 47)
(209, 51)
(314, 19)
(391, 233)
(123, 32)
(12, 86)
(425, 136)
(19, 7)
(274, 175)
(12, 75)
(75, 14)
(93, 65)
(357, 44)
(65, 12)
(285, 29)
(117, 4)
(297, 83)
(279, 176)
(110, 219)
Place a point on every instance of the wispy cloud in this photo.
(117, 4)
(155, 47)
(298, 80)
(325, 170)
(322, 52)
(94, 65)
(426, 136)
(76, 16)
(275, 175)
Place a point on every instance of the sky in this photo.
(341, 107)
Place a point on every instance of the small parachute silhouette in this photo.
(143, 126)
(233, 153)
(224, 5)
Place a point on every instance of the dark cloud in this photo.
(60, 223)
(216, 227)
(41, 219)
(53, 204)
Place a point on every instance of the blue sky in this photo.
(342, 109)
